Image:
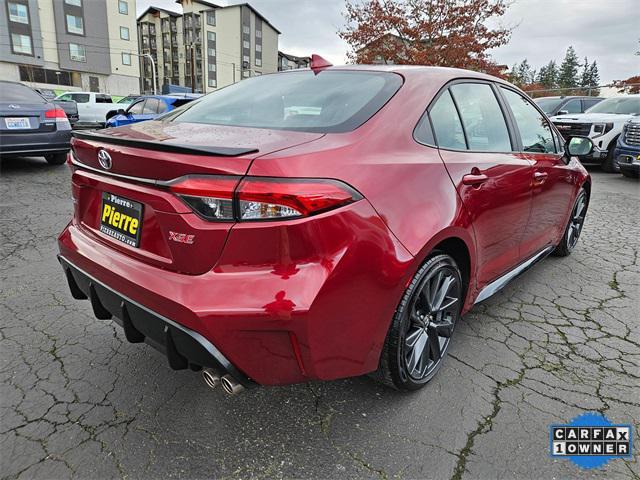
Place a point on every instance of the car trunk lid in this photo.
(16, 118)
(143, 158)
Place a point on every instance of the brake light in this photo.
(260, 198)
(55, 113)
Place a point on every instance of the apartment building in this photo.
(70, 44)
(287, 61)
(215, 45)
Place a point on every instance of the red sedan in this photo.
(319, 224)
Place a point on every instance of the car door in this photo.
(492, 179)
(552, 187)
(150, 110)
(84, 106)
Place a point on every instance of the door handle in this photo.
(474, 179)
(540, 177)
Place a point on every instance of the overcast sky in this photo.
(603, 30)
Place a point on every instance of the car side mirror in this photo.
(121, 111)
(579, 146)
(563, 112)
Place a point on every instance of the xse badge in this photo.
(121, 219)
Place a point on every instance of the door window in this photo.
(482, 119)
(534, 130)
(572, 106)
(151, 107)
(446, 123)
(136, 108)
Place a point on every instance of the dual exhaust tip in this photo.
(229, 384)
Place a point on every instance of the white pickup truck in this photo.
(92, 108)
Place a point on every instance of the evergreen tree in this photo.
(548, 75)
(584, 76)
(568, 75)
(525, 74)
(594, 79)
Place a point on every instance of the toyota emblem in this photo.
(105, 159)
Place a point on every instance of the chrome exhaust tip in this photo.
(211, 377)
(230, 385)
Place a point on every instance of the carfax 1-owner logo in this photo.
(591, 440)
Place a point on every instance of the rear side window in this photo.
(572, 106)
(482, 119)
(328, 102)
(80, 97)
(446, 123)
(534, 130)
(103, 99)
(17, 93)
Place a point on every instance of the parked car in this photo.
(32, 126)
(267, 247)
(603, 124)
(627, 151)
(70, 108)
(146, 107)
(566, 105)
(92, 107)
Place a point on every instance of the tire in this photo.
(56, 158)
(610, 165)
(574, 225)
(427, 313)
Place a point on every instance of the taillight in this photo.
(266, 198)
(260, 198)
(55, 113)
(210, 197)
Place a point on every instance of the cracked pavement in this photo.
(77, 400)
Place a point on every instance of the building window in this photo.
(77, 53)
(212, 67)
(124, 33)
(245, 74)
(211, 18)
(211, 52)
(211, 36)
(212, 82)
(123, 7)
(258, 62)
(18, 13)
(245, 59)
(21, 44)
(246, 44)
(246, 29)
(259, 33)
(257, 74)
(126, 58)
(258, 47)
(75, 24)
(77, 3)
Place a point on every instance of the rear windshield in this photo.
(17, 93)
(620, 105)
(548, 105)
(329, 102)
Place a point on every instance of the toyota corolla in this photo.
(319, 223)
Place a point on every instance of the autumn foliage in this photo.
(451, 33)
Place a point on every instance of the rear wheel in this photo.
(574, 227)
(56, 158)
(421, 330)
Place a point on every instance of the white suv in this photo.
(603, 124)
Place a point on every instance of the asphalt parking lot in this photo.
(77, 400)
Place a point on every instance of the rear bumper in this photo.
(183, 347)
(35, 143)
(278, 313)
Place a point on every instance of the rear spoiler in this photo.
(163, 146)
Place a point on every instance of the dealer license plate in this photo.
(121, 218)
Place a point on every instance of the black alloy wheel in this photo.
(574, 227)
(422, 326)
